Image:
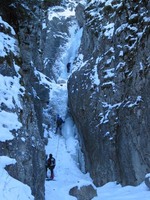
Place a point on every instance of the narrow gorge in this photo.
(108, 87)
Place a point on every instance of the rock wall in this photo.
(109, 93)
(28, 143)
(37, 43)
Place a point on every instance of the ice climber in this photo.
(51, 165)
(68, 67)
(59, 123)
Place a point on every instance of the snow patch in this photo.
(109, 30)
(8, 43)
(109, 73)
(7, 125)
(11, 188)
(61, 12)
(94, 76)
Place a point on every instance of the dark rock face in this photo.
(80, 14)
(28, 144)
(83, 193)
(38, 42)
(109, 93)
(147, 180)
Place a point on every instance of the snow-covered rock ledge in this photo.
(147, 180)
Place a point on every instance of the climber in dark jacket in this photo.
(68, 67)
(59, 123)
(51, 165)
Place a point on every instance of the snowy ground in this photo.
(64, 148)
(67, 175)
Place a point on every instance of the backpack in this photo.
(51, 162)
(59, 121)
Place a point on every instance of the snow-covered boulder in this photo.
(147, 180)
(83, 193)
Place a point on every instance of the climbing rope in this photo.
(57, 147)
